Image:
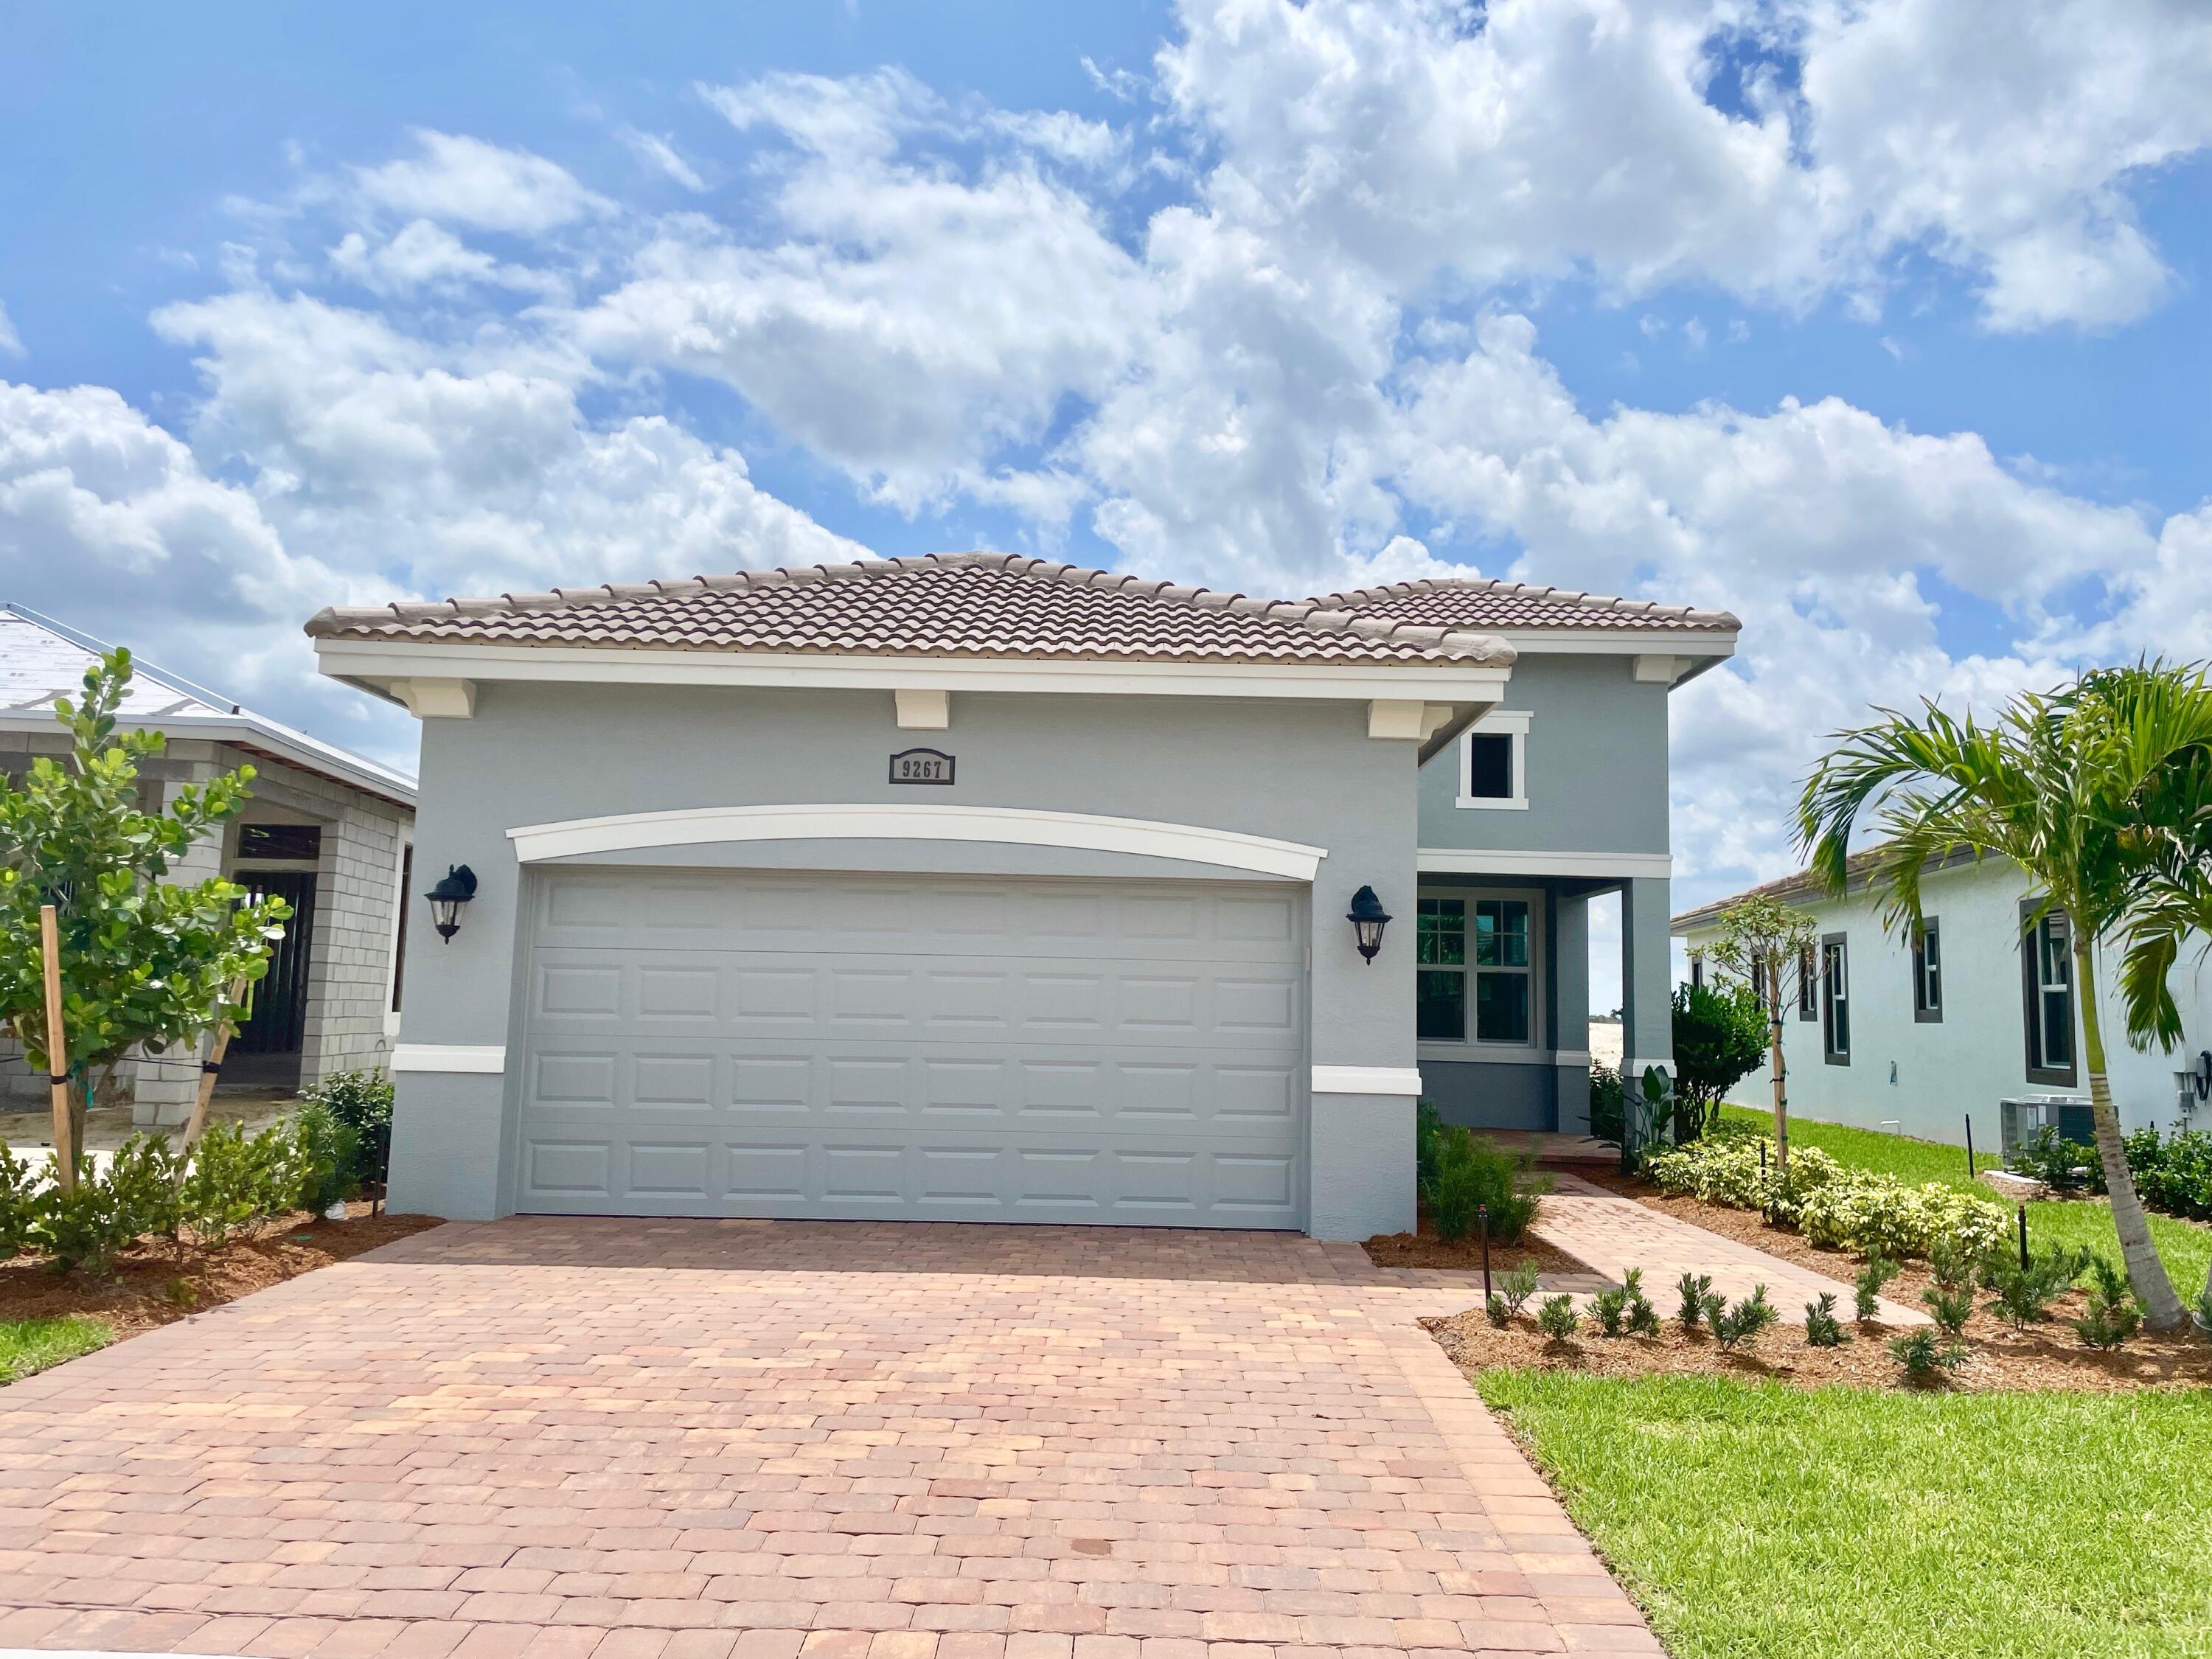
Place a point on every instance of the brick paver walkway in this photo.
(696, 1440)
(1612, 1234)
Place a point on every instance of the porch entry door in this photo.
(277, 1022)
(906, 1048)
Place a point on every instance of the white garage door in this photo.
(914, 1048)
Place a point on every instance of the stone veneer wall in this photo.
(349, 970)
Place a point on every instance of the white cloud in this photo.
(420, 255)
(458, 179)
(662, 156)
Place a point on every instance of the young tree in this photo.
(142, 960)
(1765, 941)
(2072, 788)
(1720, 1037)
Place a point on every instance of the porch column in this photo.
(1647, 1014)
(1571, 1011)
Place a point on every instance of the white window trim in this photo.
(391, 939)
(1507, 722)
(1472, 1047)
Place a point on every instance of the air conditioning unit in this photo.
(2019, 1121)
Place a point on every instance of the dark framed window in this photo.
(1809, 978)
(1835, 1000)
(1928, 973)
(1484, 941)
(400, 937)
(1440, 974)
(1758, 981)
(1697, 970)
(1490, 765)
(280, 841)
(2047, 964)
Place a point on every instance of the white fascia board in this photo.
(1474, 861)
(378, 663)
(477, 1058)
(1619, 641)
(891, 821)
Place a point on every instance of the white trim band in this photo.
(448, 1057)
(892, 821)
(1474, 861)
(1366, 1080)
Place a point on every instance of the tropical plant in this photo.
(1925, 1357)
(1692, 1292)
(1866, 1289)
(1741, 1324)
(1720, 1037)
(2114, 1312)
(1642, 1317)
(19, 1193)
(1822, 1328)
(143, 960)
(1951, 1306)
(1557, 1318)
(2025, 1290)
(2090, 791)
(1473, 1175)
(1608, 1104)
(324, 1150)
(2174, 1175)
(2061, 1164)
(361, 1101)
(1761, 939)
(1515, 1288)
(1609, 1310)
(89, 1222)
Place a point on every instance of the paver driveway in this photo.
(688, 1440)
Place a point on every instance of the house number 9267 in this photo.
(922, 766)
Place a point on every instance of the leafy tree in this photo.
(2077, 788)
(1764, 940)
(142, 960)
(1720, 1037)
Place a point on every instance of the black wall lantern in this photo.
(454, 888)
(1368, 919)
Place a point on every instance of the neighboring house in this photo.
(1554, 798)
(327, 831)
(1917, 1033)
(981, 888)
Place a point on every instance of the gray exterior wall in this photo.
(1596, 764)
(535, 754)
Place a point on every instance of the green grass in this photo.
(32, 1344)
(1753, 1519)
(2185, 1246)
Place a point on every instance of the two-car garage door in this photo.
(770, 1043)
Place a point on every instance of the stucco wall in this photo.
(1298, 771)
(1976, 1055)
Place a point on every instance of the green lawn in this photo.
(32, 1344)
(2186, 1246)
(1754, 1521)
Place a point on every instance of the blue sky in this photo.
(1885, 324)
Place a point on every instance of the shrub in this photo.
(1925, 1357)
(1869, 1213)
(1556, 1317)
(1951, 1266)
(361, 1101)
(2024, 1294)
(18, 1213)
(2061, 1164)
(1951, 1307)
(1692, 1290)
(1609, 1309)
(1866, 1289)
(1517, 1287)
(110, 1207)
(1428, 1124)
(2174, 1175)
(1742, 1323)
(237, 1182)
(1642, 1317)
(1472, 1173)
(1494, 1310)
(1740, 1173)
(2113, 1314)
(1720, 1038)
(1822, 1328)
(322, 1159)
(1609, 1104)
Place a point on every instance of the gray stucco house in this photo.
(328, 830)
(982, 888)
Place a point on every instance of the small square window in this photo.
(1490, 765)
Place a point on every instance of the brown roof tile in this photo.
(1480, 602)
(978, 605)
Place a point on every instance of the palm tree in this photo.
(2078, 788)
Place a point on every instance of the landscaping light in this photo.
(1368, 919)
(454, 888)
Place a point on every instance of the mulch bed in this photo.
(1426, 1250)
(2045, 1356)
(152, 1285)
